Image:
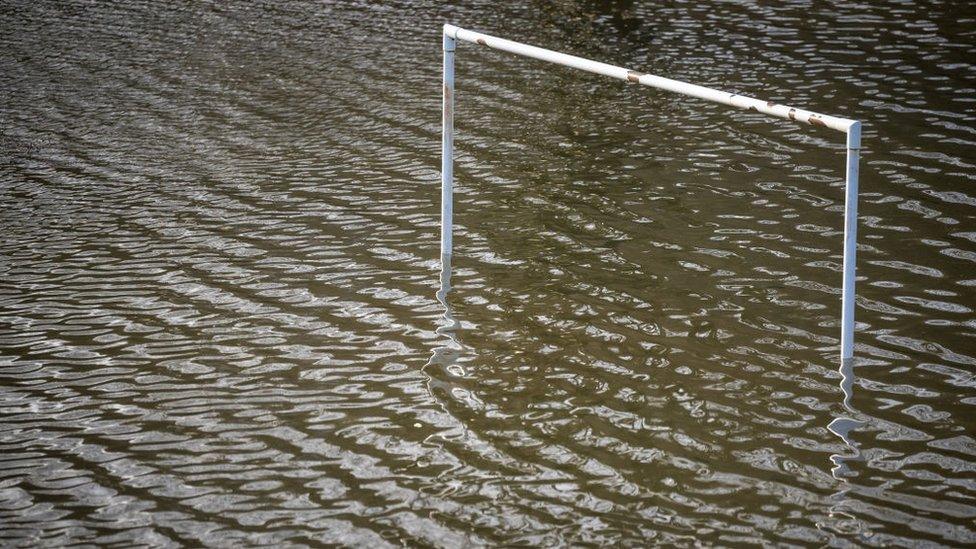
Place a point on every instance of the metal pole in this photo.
(447, 149)
(850, 242)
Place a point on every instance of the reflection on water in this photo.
(221, 321)
(844, 518)
(445, 357)
(842, 426)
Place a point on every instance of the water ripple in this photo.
(221, 321)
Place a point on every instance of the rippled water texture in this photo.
(223, 321)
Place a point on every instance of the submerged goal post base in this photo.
(850, 127)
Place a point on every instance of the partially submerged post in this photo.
(851, 127)
(447, 147)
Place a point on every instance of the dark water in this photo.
(219, 311)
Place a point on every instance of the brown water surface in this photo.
(222, 320)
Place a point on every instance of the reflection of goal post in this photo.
(851, 127)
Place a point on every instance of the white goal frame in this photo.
(851, 128)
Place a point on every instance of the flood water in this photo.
(223, 319)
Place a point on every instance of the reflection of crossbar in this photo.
(851, 127)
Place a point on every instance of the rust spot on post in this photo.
(816, 121)
(482, 42)
(792, 114)
(448, 102)
(634, 76)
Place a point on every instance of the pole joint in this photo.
(450, 42)
(854, 136)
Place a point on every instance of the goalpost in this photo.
(851, 128)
